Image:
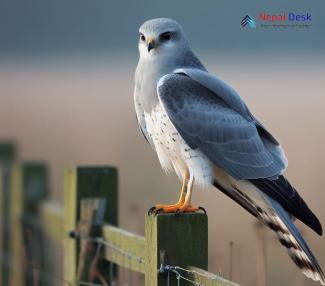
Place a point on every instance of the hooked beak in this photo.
(151, 44)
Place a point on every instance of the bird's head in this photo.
(162, 38)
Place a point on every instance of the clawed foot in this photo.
(184, 203)
(175, 209)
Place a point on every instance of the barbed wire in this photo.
(100, 242)
(177, 270)
(181, 274)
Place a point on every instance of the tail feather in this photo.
(283, 192)
(289, 236)
(276, 208)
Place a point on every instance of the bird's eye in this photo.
(166, 36)
(142, 37)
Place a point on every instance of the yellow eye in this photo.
(142, 37)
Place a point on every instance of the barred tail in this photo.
(289, 236)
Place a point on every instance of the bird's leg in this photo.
(174, 207)
(186, 206)
(184, 202)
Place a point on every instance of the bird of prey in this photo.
(203, 130)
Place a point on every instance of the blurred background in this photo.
(66, 96)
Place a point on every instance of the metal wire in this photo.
(176, 270)
(112, 247)
(181, 274)
(129, 256)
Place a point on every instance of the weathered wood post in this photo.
(81, 183)
(34, 191)
(7, 156)
(176, 240)
(27, 254)
(16, 243)
(91, 215)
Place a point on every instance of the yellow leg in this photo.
(186, 206)
(184, 202)
(175, 207)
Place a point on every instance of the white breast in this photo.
(173, 152)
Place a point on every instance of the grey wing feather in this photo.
(227, 135)
(233, 100)
(219, 87)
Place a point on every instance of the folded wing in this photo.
(221, 128)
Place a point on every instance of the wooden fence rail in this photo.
(174, 250)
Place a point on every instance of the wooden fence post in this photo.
(92, 214)
(81, 183)
(176, 240)
(34, 191)
(16, 274)
(26, 251)
(7, 156)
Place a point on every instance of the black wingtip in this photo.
(311, 220)
(314, 223)
(284, 193)
(318, 228)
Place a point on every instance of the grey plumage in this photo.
(229, 139)
(201, 128)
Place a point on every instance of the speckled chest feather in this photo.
(173, 152)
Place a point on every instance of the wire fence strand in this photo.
(180, 273)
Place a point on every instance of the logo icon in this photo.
(248, 21)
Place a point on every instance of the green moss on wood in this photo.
(175, 239)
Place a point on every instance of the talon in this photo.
(151, 210)
(157, 211)
(165, 209)
(192, 209)
(203, 209)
